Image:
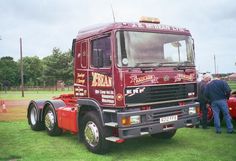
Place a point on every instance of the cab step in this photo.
(115, 139)
(109, 110)
(111, 124)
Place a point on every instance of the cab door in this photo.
(100, 73)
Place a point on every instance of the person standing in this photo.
(217, 92)
(203, 100)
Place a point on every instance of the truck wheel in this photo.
(33, 119)
(94, 133)
(165, 135)
(50, 120)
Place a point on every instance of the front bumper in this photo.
(150, 120)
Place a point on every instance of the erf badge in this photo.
(166, 78)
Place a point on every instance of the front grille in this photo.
(159, 93)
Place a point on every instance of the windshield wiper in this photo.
(185, 64)
(179, 65)
(167, 64)
(146, 64)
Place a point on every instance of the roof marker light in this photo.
(145, 19)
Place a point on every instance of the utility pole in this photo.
(21, 69)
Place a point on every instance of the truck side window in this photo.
(101, 52)
(84, 55)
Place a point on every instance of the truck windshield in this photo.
(145, 49)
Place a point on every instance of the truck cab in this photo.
(130, 80)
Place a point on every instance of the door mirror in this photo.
(73, 48)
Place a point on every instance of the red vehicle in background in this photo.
(232, 105)
(232, 109)
(130, 80)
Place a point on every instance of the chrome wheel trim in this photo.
(49, 120)
(91, 134)
(33, 116)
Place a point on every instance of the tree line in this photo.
(38, 72)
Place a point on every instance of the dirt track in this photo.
(16, 103)
(16, 110)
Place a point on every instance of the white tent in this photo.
(232, 77)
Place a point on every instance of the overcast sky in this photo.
(45, 24)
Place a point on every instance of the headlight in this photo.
(130, 120)
(191, 94)
(192, 110)
(135, 120)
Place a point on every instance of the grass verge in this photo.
(28, 95)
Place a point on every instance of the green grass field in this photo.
(232, 85)
(19, 142)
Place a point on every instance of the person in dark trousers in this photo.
(217, 92)
(203, 100)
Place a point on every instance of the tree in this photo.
(58, 66)
(70, 67)
(33, 70)
(9, 74)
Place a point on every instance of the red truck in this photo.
(130, 80)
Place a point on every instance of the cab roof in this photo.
(148, 27)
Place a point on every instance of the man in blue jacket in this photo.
(217, 92)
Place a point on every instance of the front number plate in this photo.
(168, 118)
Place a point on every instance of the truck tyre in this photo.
(50, 121)
(165, 135)
(94, 133)
(33, 119)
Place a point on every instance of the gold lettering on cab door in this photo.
(101, 80)
(80, 78)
